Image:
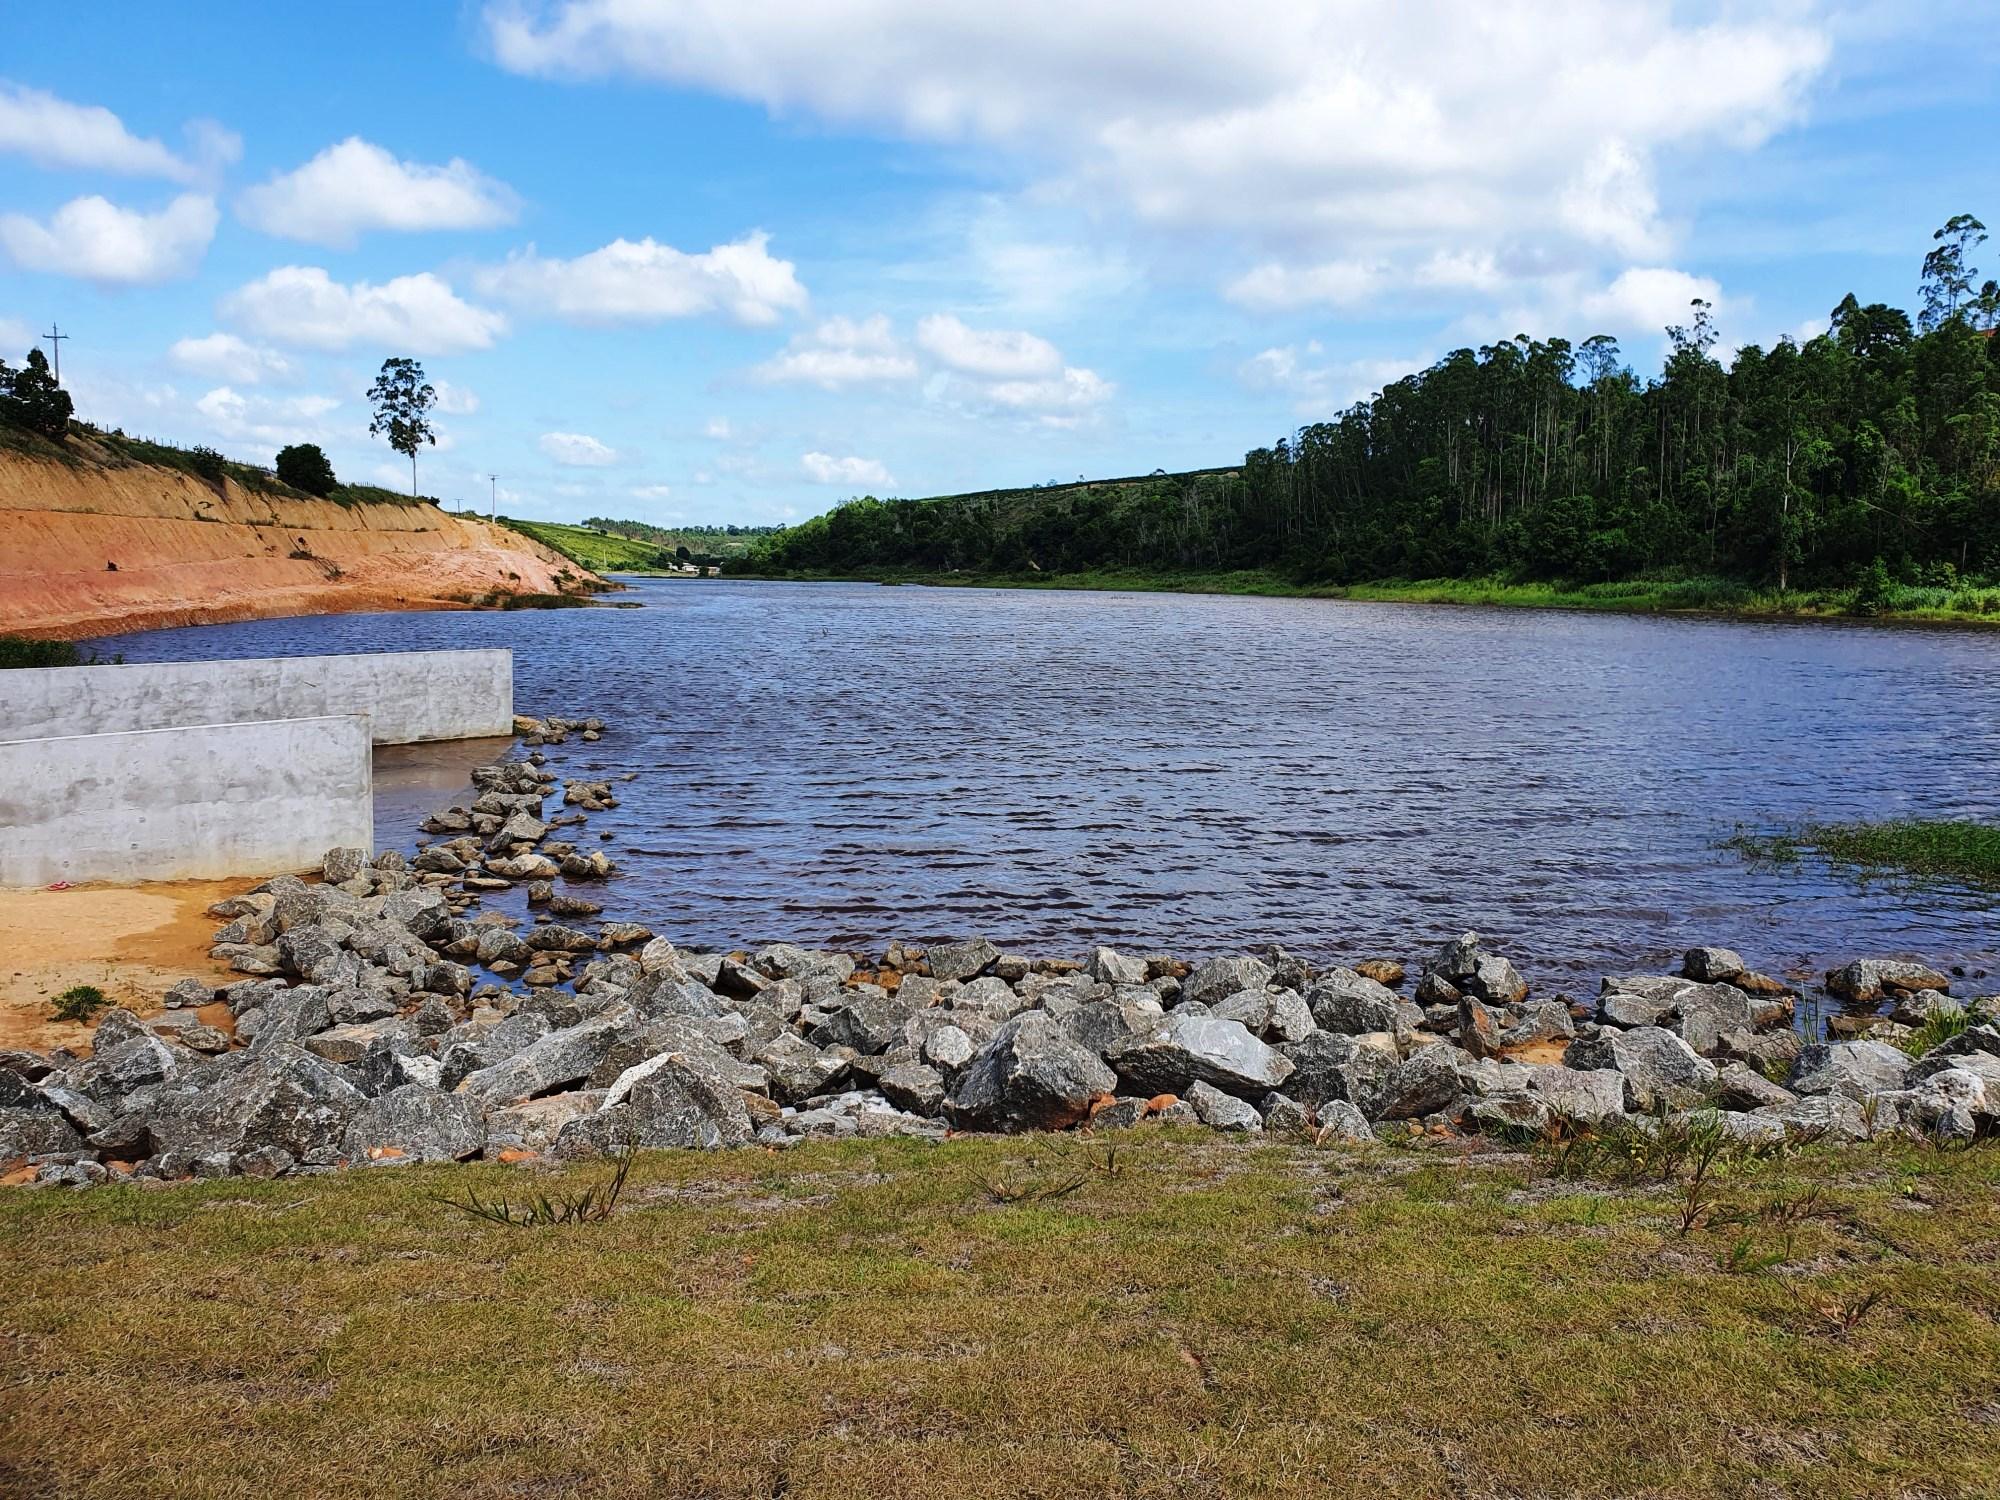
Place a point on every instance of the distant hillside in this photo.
(599, 551)
(701, 541)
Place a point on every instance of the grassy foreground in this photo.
(1975, 605)
(1931, 849)
(1209, 1318)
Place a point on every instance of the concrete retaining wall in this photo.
(202, 802)
(407, 695)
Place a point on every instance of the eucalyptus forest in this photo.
(1868, 454)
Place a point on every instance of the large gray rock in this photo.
(1186, 1048)
(1712, 965)
(672, 1102)
(556, 1061)
(1329, 1067)
(1031, 1076)
(34, 1132)
(1853, 1069)
(414, 1123)
(868, 1020)
(1661, 1071)
(1587, 1096)
(1220, 978)
(960, 960)
(1223, 1111)
(1428, 1080)
(1108, 966)
(1739, 1086)
(1496, 981)
(284, 1099)
(1832, 1115)
(1346, 1002)
(797, 1069)
(1868, 979)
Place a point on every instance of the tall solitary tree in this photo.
(402, 399)
(1948, 278)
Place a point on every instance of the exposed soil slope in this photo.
(191, 552)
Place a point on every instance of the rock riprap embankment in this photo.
(366, 1031)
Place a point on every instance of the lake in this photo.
(849, 764)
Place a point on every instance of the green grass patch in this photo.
(1212, 1319)
(1932, 849)
(599, 551)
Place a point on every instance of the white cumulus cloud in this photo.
(843, 352)
(1327, 138)
(305, 307)
(997, 354)
(862, 473)
(54, 132)
(93, 238)
(577, 449)
(355, 186)
(224, 356)
(643, 281)
(266, 421)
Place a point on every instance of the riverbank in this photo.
(93, 545)
(1197, 1318)
(1978, 606)
(133, 943)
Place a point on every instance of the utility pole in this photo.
(55, 347)
(493, 496)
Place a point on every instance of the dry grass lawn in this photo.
(1211, 1318)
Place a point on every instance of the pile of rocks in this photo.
(372, 1040)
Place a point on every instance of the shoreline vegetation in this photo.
(1932, 849)
(1962, 604)
(1850, 474)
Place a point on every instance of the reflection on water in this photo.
(413, 781)
(843, 762)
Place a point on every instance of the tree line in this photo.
(1874, 446)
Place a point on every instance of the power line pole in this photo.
(493, 497)
(55, 347)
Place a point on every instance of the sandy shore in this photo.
(132, 942)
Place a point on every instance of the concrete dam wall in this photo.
(407, 696)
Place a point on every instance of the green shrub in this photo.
(304, 466)
(80, 1002)
(16, 652)
(209, 464)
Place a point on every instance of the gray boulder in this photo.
(283, 1098)
(1337, 1120)
(1661, 1071)
(1346, 1002)
(1108, 966)
(1587, 1096)
(556, 1061)
(1868, 979)
(1852, 1069)
(869, 1020)
(1428, 1080)
(1739, 1086)
(414, 1123)
(797, 1069)
(1031, 1076)
(1220, 978)
(1712, 965)
(1223, 1111)
(960, 960)
(1330, 1067)
(34, 1132)
(1186, 1048)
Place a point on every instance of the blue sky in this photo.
(700, 263)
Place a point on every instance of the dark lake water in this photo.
(830, 762)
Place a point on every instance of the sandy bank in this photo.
(87, 549)
(132, 942)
